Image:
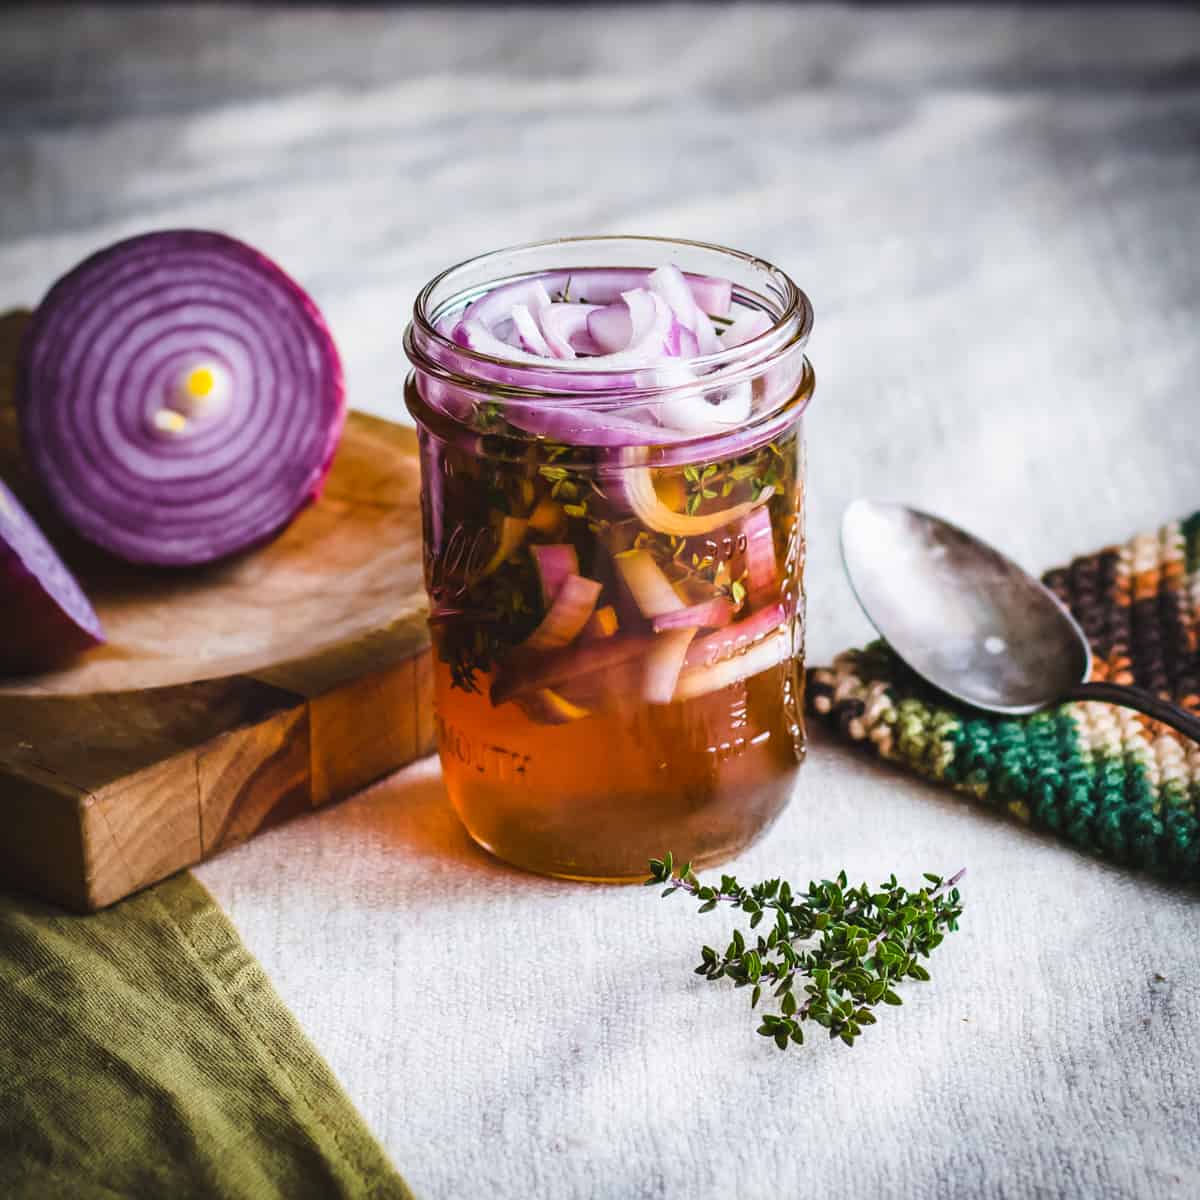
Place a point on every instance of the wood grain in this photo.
(227, 698)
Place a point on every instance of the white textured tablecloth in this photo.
(997, 214)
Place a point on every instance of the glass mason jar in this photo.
(614, 556)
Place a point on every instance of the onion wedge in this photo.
(554, 565)
(652, 591)
(45, 619)
(570, 612)
(708, 614)
(736, 652)
(745, 326)
(664, 664)
(762, 585)
(525, 673)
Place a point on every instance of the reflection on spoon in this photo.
(973, 623)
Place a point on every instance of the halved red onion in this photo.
(554, 564)
(180, 397)
(45, 619)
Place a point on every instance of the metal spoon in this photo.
(973, 623)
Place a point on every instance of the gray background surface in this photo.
(997, 214)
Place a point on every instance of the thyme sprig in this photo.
(833, 952)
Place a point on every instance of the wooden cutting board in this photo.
(229, 697)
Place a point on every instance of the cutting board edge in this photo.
(112, 841)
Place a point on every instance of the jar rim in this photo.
(790, 327)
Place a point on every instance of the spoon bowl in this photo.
(972, 622)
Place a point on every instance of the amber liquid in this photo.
(597, 798)
(583, 775)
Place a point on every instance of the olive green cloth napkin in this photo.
(143, 1052)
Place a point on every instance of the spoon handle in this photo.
(1144, 702)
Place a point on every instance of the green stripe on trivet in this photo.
(1106, 779)
(145, 1054)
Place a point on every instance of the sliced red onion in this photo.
(713, 296)
(523, 674)
(570, 612)
(611, 326)
(475, 335)
(637, 488)
(651, 326)
(562, 322)
(529, 334)
(497, 304)
(554, 564)
(649, 586)
(734, 639)
(581, 426)
(682, 342)
(698, 411)
(707, 614)
(706, 334)
(669, 283)
(595, 285)
(180, 397)
(739, 651)
(45, 619)
(762, 584)
(664, 663)
(751, 324)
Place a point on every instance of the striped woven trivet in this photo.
(1105, 778)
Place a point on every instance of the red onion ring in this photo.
(180, 397)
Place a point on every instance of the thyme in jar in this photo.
(490, 617)
(762, 470)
